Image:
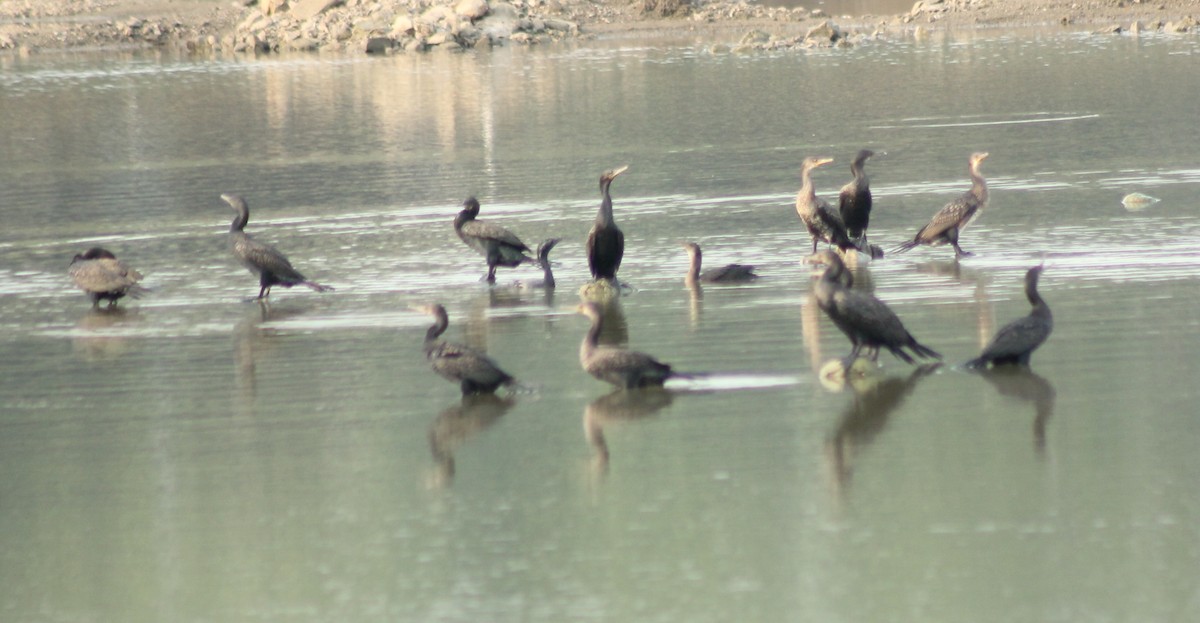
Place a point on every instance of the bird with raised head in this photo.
(498, 246)
(1014, 343)
(261, 259)
(474, 371)
(729, 273)
(606, 242)
(621, 367)
(823, 224)
(950, 221)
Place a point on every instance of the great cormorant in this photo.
(867, 321)
(854, 202)
(729, 273)
(624, 368)
(264, 260)
(824, 225)
(606, 242)
(102, 276)
(1016, 341)
(474, 371)
(953, 218)
(499, 246)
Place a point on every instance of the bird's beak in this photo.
(619, 170)
(824, 161)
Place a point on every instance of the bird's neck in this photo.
(807, 195)
(548, 274)
(693, 274)
(463, 217)
(605, 215)
(592, 339)
(978, 184)
(436, 330)
(239, 221)
(1040, 308)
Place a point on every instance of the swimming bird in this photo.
(854, 202)
(823, 224)
(626, 369)
(260, 258)
(606, 242)
(729, 273)
(543, 259)
(474, 371)
(1015, 342)
(867, 321)
(953, 218)
(102, 276)
(499, 246)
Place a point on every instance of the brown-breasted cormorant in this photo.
(626, 369)
(264, 260)
(953, 218)
(867, 321)
(854, 202)
(606, 242)
(498, 246)
(1015, 342)
(729, 273)
(102, 276)
(474, 371)
(824, 225)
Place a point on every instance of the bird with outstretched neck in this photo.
(474, 371)
(626, 369)
(1014, 343)
(729, 273)
(261, 259)
(949, 222)
(606, 242)
(823, 224)
(854, 201)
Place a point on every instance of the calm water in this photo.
(194, 457)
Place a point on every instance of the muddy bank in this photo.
(398, 26)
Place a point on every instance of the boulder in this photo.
(403, 25)
(755, 37)
(824, 33)
(500, 22)
(1184, 25)
(471, 9)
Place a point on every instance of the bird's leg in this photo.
(491, 276)
(958, 252)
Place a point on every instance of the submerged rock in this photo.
(1138, 201)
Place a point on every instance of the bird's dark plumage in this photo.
(729, 273)
(823, 224)
(606, 242)
(867, 321)
(499, 246)
(953, 218)
(854, 202)
(1015, 342)
(268, 263)
(624, 368)
(474, 371)
(102, 276)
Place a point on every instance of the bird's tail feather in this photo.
(905, 247)
(317, 286)
(924, 351)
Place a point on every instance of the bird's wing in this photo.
(491, 231)
(618, 359)
(953, 214)
(868, 315)
(605, 249)
(1017, 337)
(103, 275)
(729, 272)
(262, 257)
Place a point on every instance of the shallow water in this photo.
(192, 456)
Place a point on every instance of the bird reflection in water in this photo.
(619, 406)
(98, 334)
(251, 340)
(458, 423)
(967, 276)
(875, 399)
(1026, 385)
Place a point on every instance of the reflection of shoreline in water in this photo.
(456, 425)
(1028, 386)
(619, 406)
(865, 417)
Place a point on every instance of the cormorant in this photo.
(1016, 341)
(854, 202)
(730, 273)
(626, 369)
(953, 218)
(99, 273)
(606, 242)
(824, 225)
(498, 245)
(543, 259)
(264, 260)
(867, 321)
(474, 371)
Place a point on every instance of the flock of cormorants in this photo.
(866, 321)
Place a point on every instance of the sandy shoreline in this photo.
(39, 26)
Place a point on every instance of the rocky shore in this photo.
(411, 26)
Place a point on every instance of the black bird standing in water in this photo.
(499, 246)
(624, 368)
(824, 225)
(854, 202)
(729, 273)
(264, 260)
(953, 218)
(102, 276)
(606, 241)
(1015, 342)
(474, 371)
(867, 321)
